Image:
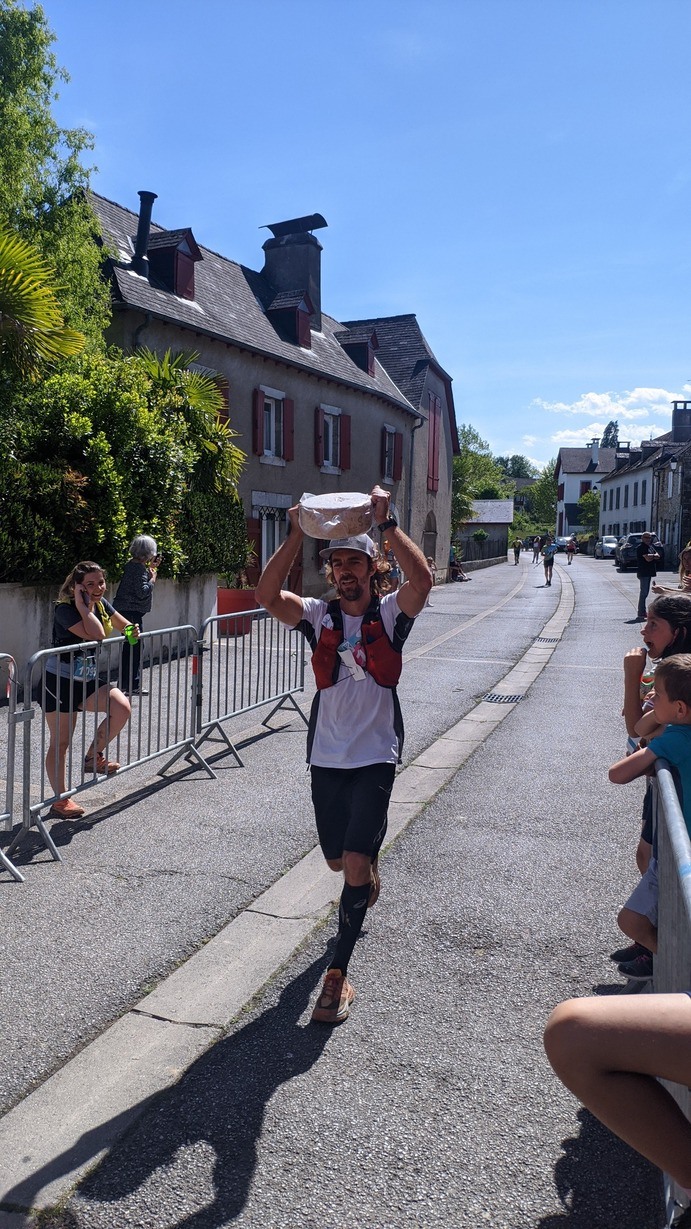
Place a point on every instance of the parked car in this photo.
(605, 548)
(561, 542)
(625, 553)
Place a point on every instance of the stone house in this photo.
(579, 470)
(320, 405)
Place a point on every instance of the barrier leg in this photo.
(286, 700)
(35, 820)
(190, 752)
(10, 866)
(224, 738)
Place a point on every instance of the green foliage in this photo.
(589, 511)
(610, 437)
(42, 179)
(480, 535)
(541, 498)
(32, 330)
(98, 452)
(517, 466)
(476, 475)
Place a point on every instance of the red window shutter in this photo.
(319, 436)
(397, 455)
(384, 434)
(304, 332)
(433, 443)
(345, 441)
(258, 422)
(184, 276)
(288, 429)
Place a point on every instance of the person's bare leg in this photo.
(609, 1051)
(638, 927)
(117, 706)
(644, 852)
(61, 728)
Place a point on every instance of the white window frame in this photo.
(390, 453)
(332, 431)
(273, 408)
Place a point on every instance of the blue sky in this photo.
(515, 172)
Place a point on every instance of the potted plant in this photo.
(236, 594)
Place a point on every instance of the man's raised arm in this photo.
(418, 578)
(281, 603)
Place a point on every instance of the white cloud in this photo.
(529, 440)
(625, 406)
(577, 437)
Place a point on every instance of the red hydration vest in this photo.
(382, 660)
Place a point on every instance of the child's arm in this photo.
(632, 766)
(634, 663)
(648, 726)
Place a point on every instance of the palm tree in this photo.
(32, 328)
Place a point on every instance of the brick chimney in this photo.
(292, 260)
(681, 422)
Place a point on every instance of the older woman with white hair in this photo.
(133, 600)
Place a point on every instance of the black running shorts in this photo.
(351, 807)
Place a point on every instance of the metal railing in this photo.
(673, 960)
(162, 717)
(246, 660)
(8, 673)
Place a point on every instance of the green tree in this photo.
(610, 436)
(98, 452)
(542, 496)
(476, 475)
(589, 511)
(517, 466)
(42, 179)
(32, 330)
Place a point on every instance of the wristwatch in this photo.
(391, 523)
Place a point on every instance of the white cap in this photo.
(362, 542)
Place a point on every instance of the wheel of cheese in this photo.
(341, 514)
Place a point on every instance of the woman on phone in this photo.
(72, 686)
(133, 600)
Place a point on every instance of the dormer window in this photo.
(291, 315)
(172, 256)
(360, 345)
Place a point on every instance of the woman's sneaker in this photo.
(640, 969)
(66, 809)
(624, 954)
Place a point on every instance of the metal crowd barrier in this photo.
(247, 660)
(163, 717)
(672, 966)
(8, 666)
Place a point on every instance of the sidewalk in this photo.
(279, 1102)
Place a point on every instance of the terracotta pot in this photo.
(232, 601)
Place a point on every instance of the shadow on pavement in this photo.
(604, 1184)
(218, 1110)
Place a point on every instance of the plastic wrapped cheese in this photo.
(341, 514)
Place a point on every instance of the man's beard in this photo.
(355, 590)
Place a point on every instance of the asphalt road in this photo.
(433, 1105)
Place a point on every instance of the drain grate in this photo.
(547, 640)
(495, 697)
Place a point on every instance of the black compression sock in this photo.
(351, 915)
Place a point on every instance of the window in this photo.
(272, 426)
(611, 498)
(585, 487)
(670, 484)
(618, 496)
(433, 442)
(644, 489)
(626, 494)
(331, 439)
(635, 494)
(560, 492)
(391, 454)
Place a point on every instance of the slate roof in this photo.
(406, 354)
(230, 304)
(640, 460)
(492, 512)
(580, 461)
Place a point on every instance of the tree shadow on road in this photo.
(604, 1184)
(216, 1115)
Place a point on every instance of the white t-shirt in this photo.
(355, 725)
